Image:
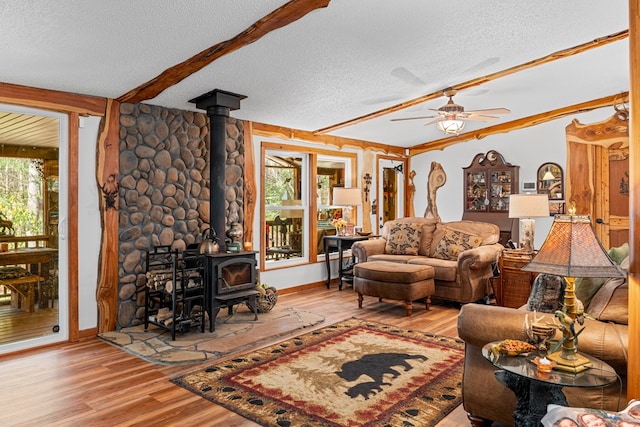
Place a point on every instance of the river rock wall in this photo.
(164, 190)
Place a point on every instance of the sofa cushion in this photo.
(444, 270)
(611, 302)
(404, 239)
(453, 242)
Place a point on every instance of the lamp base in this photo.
(577, 363)
(527, 228)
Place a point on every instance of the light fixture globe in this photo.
(451, 127)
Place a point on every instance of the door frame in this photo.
(401, 185)
(64, 206)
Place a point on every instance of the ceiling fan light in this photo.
(451, 127)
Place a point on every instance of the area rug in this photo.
(234, 333)
(353, 373)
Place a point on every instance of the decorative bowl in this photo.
(364, 233)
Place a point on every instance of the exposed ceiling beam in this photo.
(524, 122)
(284, 15)
(262, 129)
(483, 79)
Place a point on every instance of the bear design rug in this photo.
(352, 373)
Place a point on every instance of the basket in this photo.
(266, 301)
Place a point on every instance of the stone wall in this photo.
(164, 190)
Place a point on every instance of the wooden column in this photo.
(633, 367)
(107, 175)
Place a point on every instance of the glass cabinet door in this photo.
(476, 197)
(500, 190)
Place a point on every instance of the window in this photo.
(21, 196)
(295, 184)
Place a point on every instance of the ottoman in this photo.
(396, 281)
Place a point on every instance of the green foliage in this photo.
(21, 196)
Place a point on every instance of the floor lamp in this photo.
(572, 250)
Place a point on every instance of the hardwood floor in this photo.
(17, 324)
(94, 383)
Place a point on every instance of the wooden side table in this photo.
(340, 243)
(513, 287)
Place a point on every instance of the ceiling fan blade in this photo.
(490, 111)
(478, 118)
(439, 119)
(413, 118)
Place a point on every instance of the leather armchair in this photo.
(484, 398)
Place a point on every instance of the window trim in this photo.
(310, 240)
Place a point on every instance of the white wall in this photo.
(89, 227)
(528, 148)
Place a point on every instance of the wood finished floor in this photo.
(92, 383)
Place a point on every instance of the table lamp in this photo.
(572, 250)
(347, 198)
(526, 207)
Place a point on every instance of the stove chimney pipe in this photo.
(217, 104)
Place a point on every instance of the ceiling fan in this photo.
(451, 116)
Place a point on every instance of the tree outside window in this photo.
(21, 198)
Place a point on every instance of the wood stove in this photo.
(230, 278)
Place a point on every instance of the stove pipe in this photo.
(217, 104)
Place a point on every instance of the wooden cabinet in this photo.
(488, 181)
(513, 286)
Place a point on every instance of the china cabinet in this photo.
(488, 181)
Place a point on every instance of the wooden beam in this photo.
(107, 170)
(284, 15)
(633, 364)
(52, 100)
(483, 79)
(272, 131)
(524, 122)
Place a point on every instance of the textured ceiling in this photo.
(353, 58)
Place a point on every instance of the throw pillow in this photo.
(454, 242)
(586, 287)
(620, 253)
(547, 293)
(404, 239)
(611, 302)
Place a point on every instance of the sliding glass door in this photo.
(33, 245)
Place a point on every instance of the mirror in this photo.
(550, 181)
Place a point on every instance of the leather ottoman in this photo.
(396, 281)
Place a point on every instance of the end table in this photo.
(340, 243)
(534, 392)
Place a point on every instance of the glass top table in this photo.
(535, 390)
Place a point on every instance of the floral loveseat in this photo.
(460, 252)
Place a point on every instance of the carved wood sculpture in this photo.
(437, 178)
(250, 189)
(411, 191)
